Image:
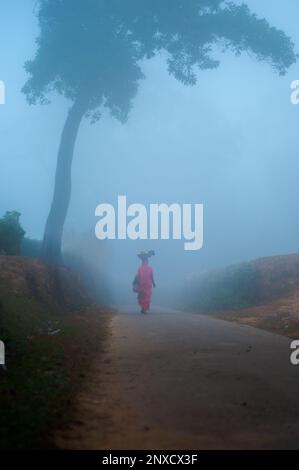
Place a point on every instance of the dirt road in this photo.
(180, 380)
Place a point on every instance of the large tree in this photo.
(90, 51)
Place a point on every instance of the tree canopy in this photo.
(94, 49)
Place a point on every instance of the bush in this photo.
(11, 234)
(31, 247)
(229, 288)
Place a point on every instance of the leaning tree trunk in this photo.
(51, 247)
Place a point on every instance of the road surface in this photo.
(171, 380)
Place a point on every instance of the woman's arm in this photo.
(135, 284)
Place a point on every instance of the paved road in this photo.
(180, 380)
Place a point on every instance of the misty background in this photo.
(230, 142)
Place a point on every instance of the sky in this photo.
(230, 143)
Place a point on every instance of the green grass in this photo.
(43, 370)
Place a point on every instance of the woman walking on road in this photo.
(144, 281)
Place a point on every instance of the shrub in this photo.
(11, 234)
(233, 287)
(30, 247)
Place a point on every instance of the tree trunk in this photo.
(51, 247)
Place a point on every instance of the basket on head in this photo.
(145, 254)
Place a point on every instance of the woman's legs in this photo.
(144, 302)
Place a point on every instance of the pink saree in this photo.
(145, 286)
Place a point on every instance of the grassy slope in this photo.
(44, 370)
(263, 293)
(280, 316)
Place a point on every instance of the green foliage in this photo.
(93, 50)
(11, 233)
(229, 288)
(31, 247)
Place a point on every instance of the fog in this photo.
(230, 142)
